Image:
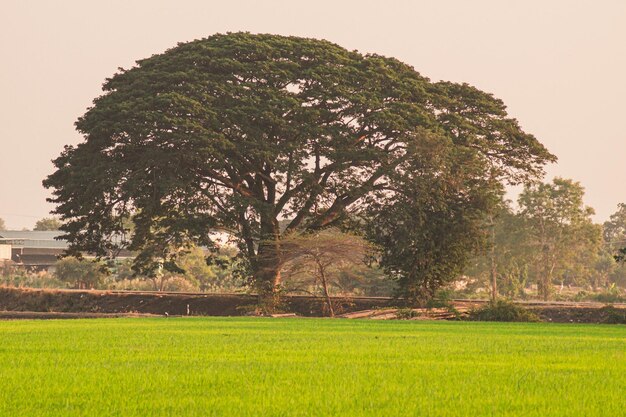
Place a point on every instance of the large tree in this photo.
(237, 132)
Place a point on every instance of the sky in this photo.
(559, 65)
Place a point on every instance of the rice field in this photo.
(309, 367)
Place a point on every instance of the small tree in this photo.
(48, 224)
(319, 258)
(2, 224)
(80, 273)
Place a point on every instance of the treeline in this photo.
(195, 275)
(548, 247)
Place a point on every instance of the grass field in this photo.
(309, 367)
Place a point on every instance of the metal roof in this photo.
(32, 239)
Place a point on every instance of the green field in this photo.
(309, 367)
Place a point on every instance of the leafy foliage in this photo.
(559, 226)
(615, 239)
(433, 224)
(551, 239)
(80, 273)
(197, 274)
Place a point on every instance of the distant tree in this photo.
(365, 279)
(2, 224)
(614, 231)
(621, 256)
(81, 273)
(604, 269)
(507, 257)
(48, 224)
(197, 270)
(614, 234)
(237, 131)
(560, 230)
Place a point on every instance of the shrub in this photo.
(610, 295)
(612, 315)
(406, 313)
(442, 299)
(581, 296)
(503, 311)
(14, 275)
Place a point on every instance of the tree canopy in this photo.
(559, 226)
(80, 273)
(237, 132)
(550, 239)
(48, 223)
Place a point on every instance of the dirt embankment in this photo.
(112, 302)
(38, 303)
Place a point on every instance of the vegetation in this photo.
(81, 274)
(235, 132)
(559, 224)
(2, 224)
(12, 275)
(501, 310)
(47, 224)
(613, 315)
(313, 263)
(550, 243)
(314, 367)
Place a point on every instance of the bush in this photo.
(503, 311)
(406, 313)
(610, 295)
(581, 296)
(612, 315)
(442, 299)
(25, 279)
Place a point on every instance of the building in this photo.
(37, 250)
(32, 249)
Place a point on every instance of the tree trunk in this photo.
(546, 282)
(267, 271)
(493, 269)
(268, 264)
(329, 302)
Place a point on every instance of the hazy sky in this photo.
(560, 66)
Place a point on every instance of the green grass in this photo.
(309, 367)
